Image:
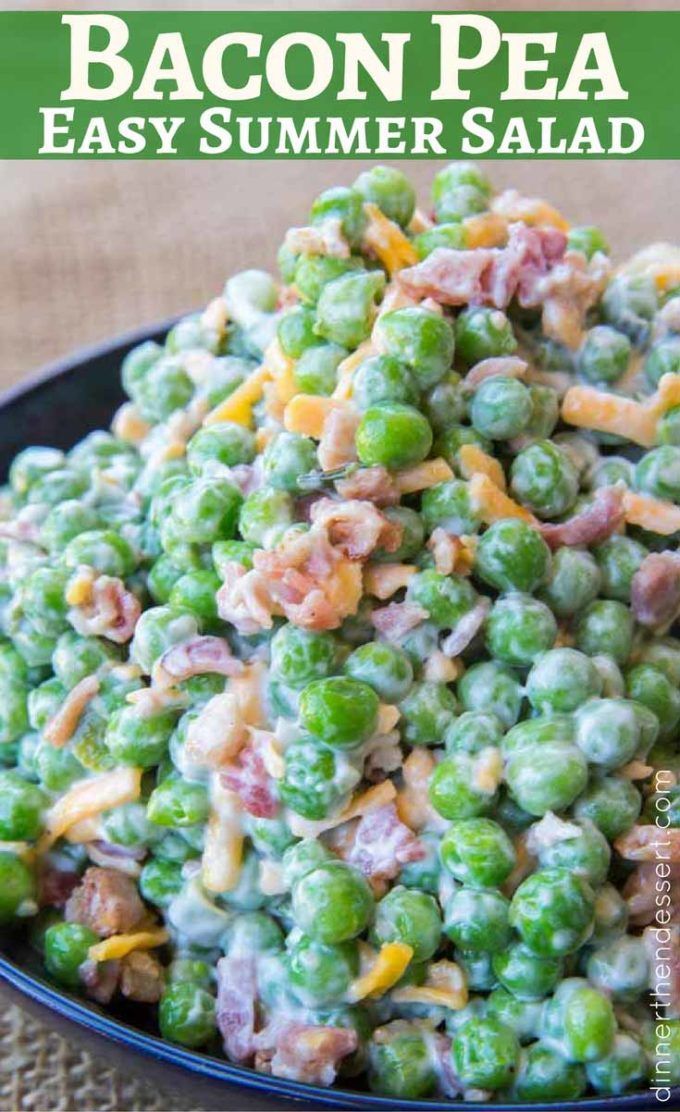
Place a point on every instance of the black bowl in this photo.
(57, 408)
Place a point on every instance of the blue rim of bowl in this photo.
(93, 1020)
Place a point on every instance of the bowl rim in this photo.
(90, 1017)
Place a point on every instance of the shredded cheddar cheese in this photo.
(492, 504)
(120, 945)
(652, 514)
(384, 580)
(223, 846)
(306, 414)
(422, 476)
(486, 229)
(389, 966)
(238, 406)
(385, 239)
(444, 987)
(90, 797)
(588, 408)
(473, 461)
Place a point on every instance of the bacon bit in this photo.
(649, 843)
(449, 1081)
(109, 610)
(100, 980)
(594, 524)
(398, 619)
(422, 476)
(109, 856)
(244, 600)
(485, 229)
(370, 800)
(324, 238)
(383, 844)
(451, 553)
(248, 778)
(652, 514)
(509, 366)
(306, 414)
(55, 886)
(444, 987)
(512, 206)
(589, 408)
(238, 406)
(473, 461)
(413, 806)
(337, 444)
(640, 893)
(568, 292)
(128, 424)
(235, 1006)
(369, 484)
(312, 1054)
(61, 728)
(356, 528)
(384, 580)
(382, 970)
(491, 504)
(107, 901)
(314, 586)
(217, 733)
(439, 668)
(451, 277)
(466, 629)
(141, 978)
(636, 770)
(195, 657)
(655, 589)
(385, 240)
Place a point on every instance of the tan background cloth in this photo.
(90, 249)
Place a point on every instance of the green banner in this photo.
(353, 84)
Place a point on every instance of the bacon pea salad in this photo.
(339, 696)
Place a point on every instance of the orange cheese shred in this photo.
(491, 504)
(473, 461)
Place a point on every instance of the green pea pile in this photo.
(516, 771)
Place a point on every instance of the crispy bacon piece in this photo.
(450, 277)
(398, 619)
(107, 901)
(664, 960)
(141, 977)
(655, 589)
(236, 1004)
(466, 629)
(356, 528)
(195, 657)
(324, 238)
(640, 893)
(383, 843)
(507, 365)
(592, 525)
(312, 1054)
(61, 728)
(243, 600)
(370, 484)
(111, 611)
(55, 885)
(567, 293)
(310, 581)
(100, 979)
(445, 547)
(247, 776)
(649, 843)
(337, 445)
(449, 1081)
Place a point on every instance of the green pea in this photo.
(66, 947)
(178, 802)
(426, 713)
(611, 915)
(340, 711)
(191, 970)
(302, 858)
(314, 272)
(316, 370)
(164, 388)
(501, 408)
(583, 851)
(406, 915)
(21, 808)
(544, 1074)
(553, 912)
(545, 411)
(441, 235)
(270, 837)
(525, 974)
(76, 657)
(589, 1024)
(483, 334)
(103, 550)
(186, 1014)
(452, 440)
(230, 552)
(321, 974)
(668, 427)
(445, 404)
(42, 600)
(651, 687)
(587, 239)
(65, 521)
(512, 555)
(459, 203)
(422, 340)
(225, 444)
(264, 517)
(522, 1016)
(604, 354)
(315, 779)
(663, 359)
(623, 1068)
(612, 804)
(664, 654)
(138, 739)
(606, 626)
(611, 470)
(491, 687)
(620, 968)
(333, 903)
(195, 592)
(412, 535)
(346, 307)
(401, 1065)
(295, 331)
(206, 510)
(390, 190)
(477, 970)
(478, 852)
(127, 825)
(485, 1054)
(472, 732)
(383, 378)
(457, 174)
(477, 920)
(299, 656)
(31, 465)
(629, 303)
(519, 629)
(56, 769)
(543, 478)
(286, 458)
(546, 777)
(343, 204)
(454, 791)
(446, 598)
(57, 486)
(449, 505)
(383, 667)
(425, 873)
(157, 630)
(574, 581)
(607, 732)
(658, 472)
(393, 436)
(561, 680)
